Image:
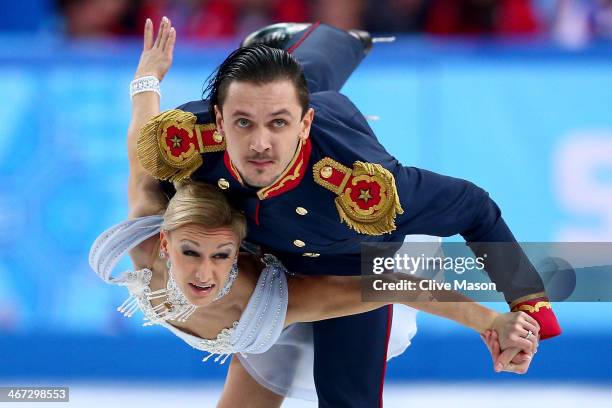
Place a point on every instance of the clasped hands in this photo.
(512, 341)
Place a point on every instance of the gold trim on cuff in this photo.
(532, 309)
(527, 298)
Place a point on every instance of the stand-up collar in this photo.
(289, 179)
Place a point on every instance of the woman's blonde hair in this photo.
(203, 204)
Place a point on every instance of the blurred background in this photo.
(511, 94)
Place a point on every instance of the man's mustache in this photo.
(260, 157)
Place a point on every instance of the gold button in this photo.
(299, 243)
(217, 137)
(311, 254)
(223, 184)
(326, 172)
(301, 211)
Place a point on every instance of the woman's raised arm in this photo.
(144, 194)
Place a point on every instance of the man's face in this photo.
(262, 126)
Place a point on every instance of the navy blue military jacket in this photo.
(305, 221)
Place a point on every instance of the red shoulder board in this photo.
(367, 196)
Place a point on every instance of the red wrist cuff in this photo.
(541, 310)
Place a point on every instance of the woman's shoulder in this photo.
(256, 264)
(258, 273)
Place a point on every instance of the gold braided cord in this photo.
(153, 153)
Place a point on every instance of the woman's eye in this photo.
(189, 252)
(279, 123)
(242, 123)
(221, 256)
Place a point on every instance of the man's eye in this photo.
(189, 252)
(242, 123)
(279, 123)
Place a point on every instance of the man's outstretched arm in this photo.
(434, 204)
(439, 205)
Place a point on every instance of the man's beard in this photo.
(251, 183)
(262, 157)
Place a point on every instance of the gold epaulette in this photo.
(367, 196)
(171, 144)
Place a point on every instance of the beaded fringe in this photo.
(130, 306)
(217, 358)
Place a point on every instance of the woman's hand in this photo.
(513, 329)
(156, 56)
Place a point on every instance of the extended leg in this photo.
(328, 56)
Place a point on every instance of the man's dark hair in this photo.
(257, 64)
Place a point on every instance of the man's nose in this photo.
(260, 141)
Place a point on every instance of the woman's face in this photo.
(201, 259)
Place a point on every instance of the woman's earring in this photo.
(162, 255)
(229, 282)
(169, 264)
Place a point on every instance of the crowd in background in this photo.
(571, 21)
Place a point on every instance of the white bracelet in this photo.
(144, 84)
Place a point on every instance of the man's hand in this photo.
(511, 360)
(156, 56)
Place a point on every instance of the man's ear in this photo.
(218, 119)
(307, 123)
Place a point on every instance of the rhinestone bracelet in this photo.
(144, 84)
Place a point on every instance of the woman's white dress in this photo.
(279, 359)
